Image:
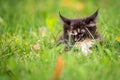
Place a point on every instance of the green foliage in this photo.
(25, 23)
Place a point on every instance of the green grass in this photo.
(21, 27)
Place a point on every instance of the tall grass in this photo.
(25, 23)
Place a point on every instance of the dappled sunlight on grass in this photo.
(117, 38)
(51, 22)
(75, 5)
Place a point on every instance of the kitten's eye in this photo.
(77, 25)
(87, 21)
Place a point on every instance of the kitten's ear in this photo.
(92, 17)
(65, 20)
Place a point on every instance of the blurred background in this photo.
(26, 14)
(29, 30)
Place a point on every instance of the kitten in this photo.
(80, 32)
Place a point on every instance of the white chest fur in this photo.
(85, 46)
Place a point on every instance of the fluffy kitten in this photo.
(80, 33)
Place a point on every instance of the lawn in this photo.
(29, 30)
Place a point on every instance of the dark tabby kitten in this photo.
(79, 30)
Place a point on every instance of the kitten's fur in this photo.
(78, 30)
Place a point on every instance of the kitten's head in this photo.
(80, 28)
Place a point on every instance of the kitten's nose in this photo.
(83, 31)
